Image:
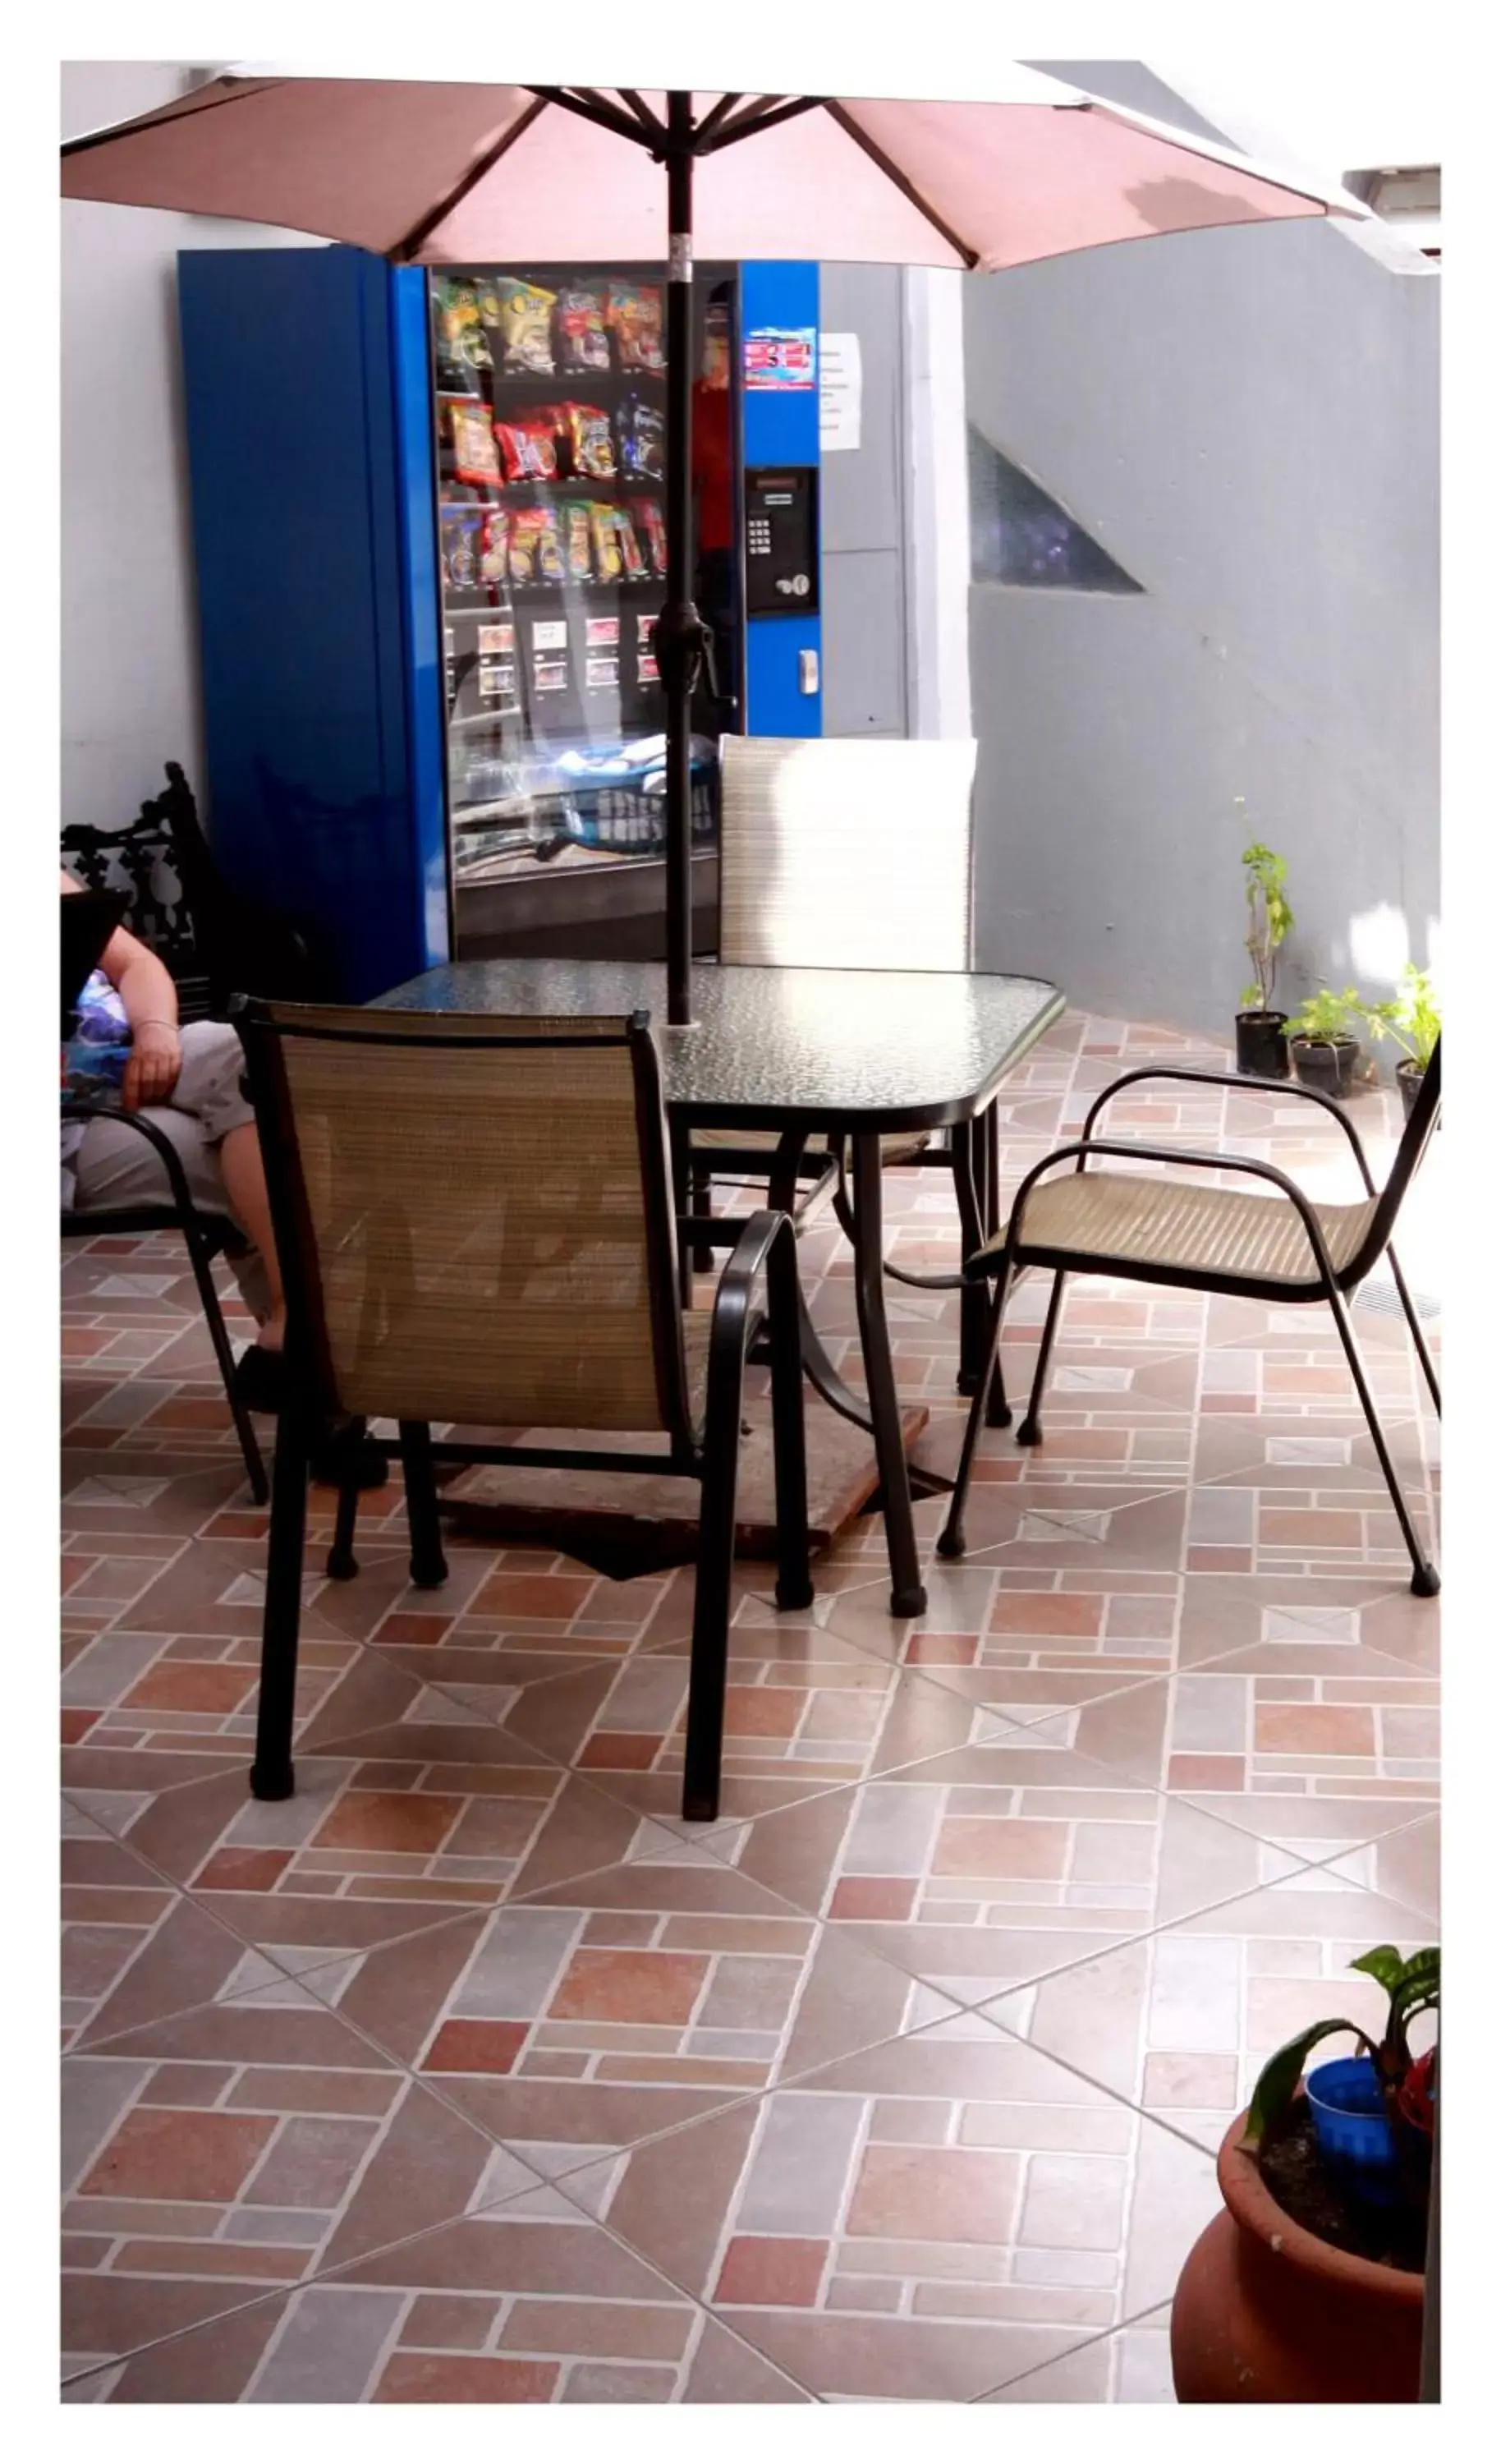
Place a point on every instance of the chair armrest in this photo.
(79, 1109)
(985, 1261)
(1278, 1087)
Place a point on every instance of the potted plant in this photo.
(1412, 1021)
(1260, 1048)
(1324, 1052)
(1308, 2288)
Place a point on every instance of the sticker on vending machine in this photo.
(494, 641)
(601, 632)
(601, 669)
(646, 671)
(780, 359)
(550, 634)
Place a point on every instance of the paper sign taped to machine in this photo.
(780, 359)
(838, 393)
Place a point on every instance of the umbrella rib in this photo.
(643, 113)
(187, 106)
(899, 180)
(764, 114)
(711, 118)
(407, 246)
(590, 105)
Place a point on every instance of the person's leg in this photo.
(208, 1088)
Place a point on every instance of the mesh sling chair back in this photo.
(1268, 1242)
(475, 1226)
(852, 851)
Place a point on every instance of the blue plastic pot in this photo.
(1355, 2137)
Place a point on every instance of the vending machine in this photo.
(427, 528)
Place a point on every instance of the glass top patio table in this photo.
(854, 1052)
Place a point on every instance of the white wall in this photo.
(129, 648)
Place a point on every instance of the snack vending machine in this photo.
(428, 521)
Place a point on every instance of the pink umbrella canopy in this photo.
(446, 174)
(431, 174)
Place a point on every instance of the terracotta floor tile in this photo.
(529, 2303)
(1192, 2012)
(241, 2145)
(601, 2012)
(923, 2219)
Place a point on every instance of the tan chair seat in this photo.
(1121, 1220)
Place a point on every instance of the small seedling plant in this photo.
(1269, 921)
(1326, 1017)
(1411, 1020)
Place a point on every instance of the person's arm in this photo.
(149, 998)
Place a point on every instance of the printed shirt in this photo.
(94, 1062)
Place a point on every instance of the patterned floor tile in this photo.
(239, 2147)
(998, 1866)
(1181, 2022)
(133, 1948)
(604, 2012)
(920, 2221)
(529, 2303)
(1131, 2366)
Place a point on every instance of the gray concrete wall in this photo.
(865, 682)
(1247, 421)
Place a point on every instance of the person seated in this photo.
(128, 1050)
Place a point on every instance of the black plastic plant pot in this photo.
(1260, 1044)
(1410, 1078)
(1328, 1066)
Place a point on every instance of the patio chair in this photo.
(475, 1226)
(205, 1237)
(848, 851)
(1193, 1234)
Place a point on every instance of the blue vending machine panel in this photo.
(307, 390)
(779, 439)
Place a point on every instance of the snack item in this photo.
(582, 341)
(528, 446)
(634, 311)
(650, 514)
(475, 460)
(643, 436)
(462, 347)
(459, 532)
(492, 546)
(578, 553)
(591, 452)
(608, 554)
(518, 318)
(631, 556)
(534, 553)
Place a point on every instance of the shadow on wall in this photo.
(1020, 534)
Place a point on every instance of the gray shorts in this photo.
(107, 1164)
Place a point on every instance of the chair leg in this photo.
(788, 1436)
(1029, 1434)
(709, 1649)
(219, 1337)
(341, 1564)
(951, 1538)
(270, 1772)
(700, 1203)
(429, 1567)
(1425, 1574)
(1418, 1339)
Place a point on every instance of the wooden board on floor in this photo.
(622, 1522)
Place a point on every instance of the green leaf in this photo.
(1386, 1964)
(1423, 1968)
(1279, 2081)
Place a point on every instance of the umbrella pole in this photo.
(680, 631)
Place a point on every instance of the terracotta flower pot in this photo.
(1265, 2313)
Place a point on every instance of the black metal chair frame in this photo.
(709, 1454)
(205, 1237)
(1332, 1285)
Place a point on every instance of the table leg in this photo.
(966, 1147)
(909, 1598)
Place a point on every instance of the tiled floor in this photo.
(471, 2074)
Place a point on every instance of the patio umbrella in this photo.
(437, 173)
